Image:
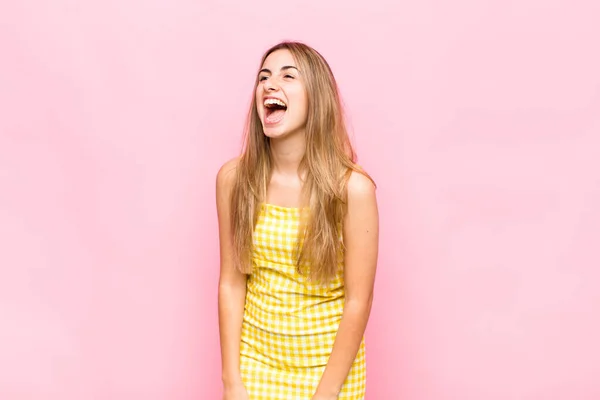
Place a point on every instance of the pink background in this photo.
(480, 121)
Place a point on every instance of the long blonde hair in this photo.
(327, 164)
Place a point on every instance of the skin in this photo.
(277, 79)
(361, 236)
(232, 292)
(361, 233)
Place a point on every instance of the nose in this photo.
(271, 85)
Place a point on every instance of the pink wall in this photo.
(480, 121)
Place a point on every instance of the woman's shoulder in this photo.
(226, 174)
(361, 200)
(360, 184)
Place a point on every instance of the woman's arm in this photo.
(232, 283)
(361, 238)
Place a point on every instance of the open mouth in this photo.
(274, 110)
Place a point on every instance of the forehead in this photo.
(278, 59)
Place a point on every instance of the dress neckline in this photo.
(281, 208)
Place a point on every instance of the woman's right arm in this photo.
(232, 285)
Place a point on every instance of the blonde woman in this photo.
(298, 229)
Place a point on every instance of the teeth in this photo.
(274, 101)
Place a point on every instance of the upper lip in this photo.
(273, 97)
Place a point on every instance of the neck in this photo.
(287, 152)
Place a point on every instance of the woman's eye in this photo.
(262, 78)
(289, 76)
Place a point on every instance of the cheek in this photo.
(301, 102)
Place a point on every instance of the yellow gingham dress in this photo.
(289, 323)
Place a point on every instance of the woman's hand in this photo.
(235, 392)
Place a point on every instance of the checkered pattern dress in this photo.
(289, 324)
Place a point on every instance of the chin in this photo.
(274, 132)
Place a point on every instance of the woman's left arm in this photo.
(361, 240)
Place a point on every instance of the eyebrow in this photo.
(282, 69)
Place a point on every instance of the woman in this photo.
(298, 228)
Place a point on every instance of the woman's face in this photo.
(281, 99)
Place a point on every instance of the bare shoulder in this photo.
(226, 174)
(360, 188)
